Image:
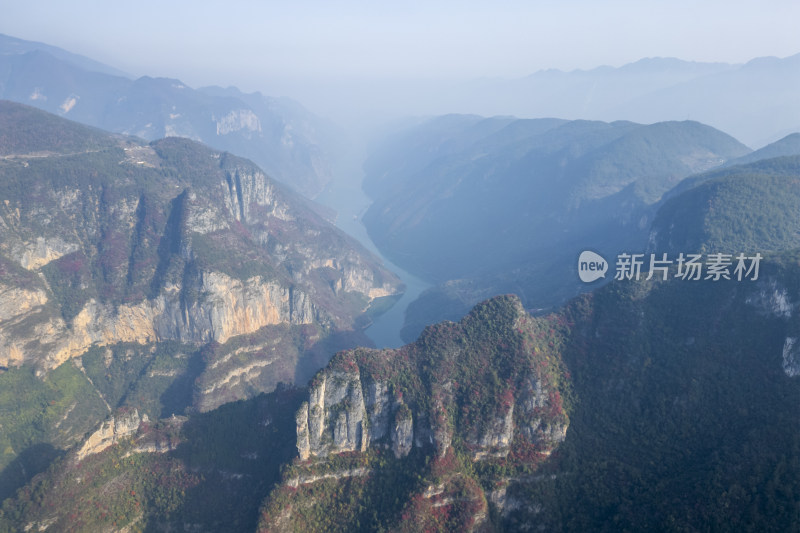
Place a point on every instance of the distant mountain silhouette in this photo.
(285, 139)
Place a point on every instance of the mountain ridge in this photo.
(13, 45)
(505, 205)
(288, 141)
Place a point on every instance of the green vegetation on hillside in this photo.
(681, 419)
(156, 379)
(749, 208)
(495, 193)
(684, 419)
(224, 464)
(39, 416)
(24, 130)
(501, 205)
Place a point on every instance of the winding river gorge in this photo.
(350, 203)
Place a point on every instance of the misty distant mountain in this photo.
(284, 138)
(756, 102)
(582, 93)
(487, 206)
(788, 146)
(459, 184)
(13, 46)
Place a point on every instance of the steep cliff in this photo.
(110, 432)
(682, 399)
(482, 396)
(348, 412)
(166, 249)
(168, 241)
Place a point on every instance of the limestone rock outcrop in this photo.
(350, 408)
(169, 241)
(113, 430)
(469, 405)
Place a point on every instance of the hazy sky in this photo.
(277, 47)
(196, 39)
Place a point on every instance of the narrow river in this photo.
(350, 203)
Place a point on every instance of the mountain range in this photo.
(181, 335)
(493, 205)
(753, 101)
(285, 139)
(662, 404)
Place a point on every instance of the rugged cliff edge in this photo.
(117, 241)
(164, 255)
(484, 395)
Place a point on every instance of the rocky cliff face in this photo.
(227, 307)
(486, 391)
(204, 280)
(463, 429)
(712, 365)
(110, 432)
(771, 297)
(347, 412)
(179, 243)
